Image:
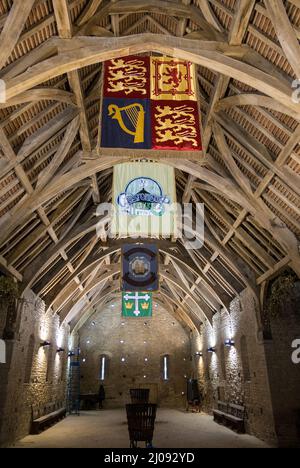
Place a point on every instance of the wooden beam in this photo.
(46, 175)
(63, 18)
(9, 269)
(13, 28)
(257, 100)
(164, 7)
(47, 131)
(41, 94)
(240, 21)
(89, 11)
(285, 33)
(215, 56)
(209, 15)
(264, 216)
(232, 167)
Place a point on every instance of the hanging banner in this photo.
(137, 304)
(144, 198)
(150, 103)
(140, 268)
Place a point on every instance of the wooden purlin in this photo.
(271, 166)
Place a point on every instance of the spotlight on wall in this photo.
(45, 344)
(211, 350)
(60, 350)
(229, 343)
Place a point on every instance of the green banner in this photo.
(137, 304)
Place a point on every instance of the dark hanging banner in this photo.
(140, 268)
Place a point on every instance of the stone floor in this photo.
(108, 429)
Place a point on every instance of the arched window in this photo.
(29, 359)
(103, 368)
(165, 367)
(2, 352)
(245, 359)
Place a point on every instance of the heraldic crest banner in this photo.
(150, 103)
(137, 304)
(144, 200)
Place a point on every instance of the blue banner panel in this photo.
(126, 123)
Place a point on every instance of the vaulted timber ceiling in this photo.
(51, 179)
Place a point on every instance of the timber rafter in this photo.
(52, 178)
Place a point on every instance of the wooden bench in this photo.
(45, 416)
(230, 415)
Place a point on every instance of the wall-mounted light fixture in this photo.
(199, 354)
(211, 350)
(45, 344)
(60, 350)
(229, 343)
(71, 354)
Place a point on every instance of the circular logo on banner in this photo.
(143, 197)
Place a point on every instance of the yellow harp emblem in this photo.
(136, 115)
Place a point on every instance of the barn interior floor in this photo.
(108, 428)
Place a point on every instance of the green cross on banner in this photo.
(136, 304)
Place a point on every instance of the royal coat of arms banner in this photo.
(144, 200)
(150, 103)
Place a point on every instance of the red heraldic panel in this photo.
(175, 126)
(127, 77)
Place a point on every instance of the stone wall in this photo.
(237, 374)
(32, 374)
(259, 374)
(150, 339)
(284, 375)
